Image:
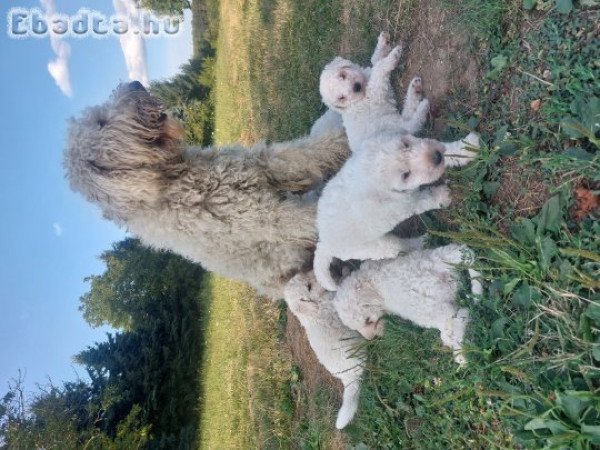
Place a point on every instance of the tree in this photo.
(188, 96)
(144, 385)
(166, 7)
(136, 279)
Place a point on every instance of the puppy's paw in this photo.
(460, 359)
(384, 39)
(472, 140)
(395, 54)
(442, 196)
(416, 86)
(382, 49)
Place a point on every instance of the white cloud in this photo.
(58, 229)
(133, 45)
(59, 67)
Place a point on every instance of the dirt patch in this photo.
(522, 192)
(436, 47)
(438, 50)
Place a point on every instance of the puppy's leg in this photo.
(379, 87)
(458, 154)
(382, 49)
(414, 95)
(459, 327)
(349, 403)
(415, 122)
(435, 197)
(385, 247)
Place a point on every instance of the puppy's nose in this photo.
(357, 87)
(437, 157)
(136, 86)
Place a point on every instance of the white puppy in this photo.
(358, 93)
(333, 343)
(420, 287)
(374, 191)
(365, 99)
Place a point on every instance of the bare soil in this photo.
(522, 191)
(437, 50)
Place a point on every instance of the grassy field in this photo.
(246, 399)
(528, 207)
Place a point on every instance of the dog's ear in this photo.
(172, 131)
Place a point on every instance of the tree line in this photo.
(143, 379)
(143, 387)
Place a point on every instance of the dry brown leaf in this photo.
(587, 202)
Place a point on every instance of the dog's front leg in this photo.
(382, 49)
(385, 247)
(415, 108)
(457, 153)
(379, 86)
(300, 165)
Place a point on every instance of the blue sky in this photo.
(51, 237)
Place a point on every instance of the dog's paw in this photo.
(383, 38)
(460, 359)
(442, 196)
(395, 54)
(416, 86)
(382, 49)
(472, 140)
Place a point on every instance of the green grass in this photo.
(533, 378)
(245, 394)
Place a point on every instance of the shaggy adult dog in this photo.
(239, 212)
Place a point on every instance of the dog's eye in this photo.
(102, 123)
(369, 321)
(405, 175)
(342, 76)
(309, 287)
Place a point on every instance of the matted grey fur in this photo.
(239, 212)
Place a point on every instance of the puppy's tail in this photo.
(321, 267)
(349, 404)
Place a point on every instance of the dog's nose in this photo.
(136, 86)
(437, 157)
(357, 87)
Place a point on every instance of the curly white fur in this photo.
(365, 98)
(420, 286)
(373, 192)
(239, 212)
(334, 344)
